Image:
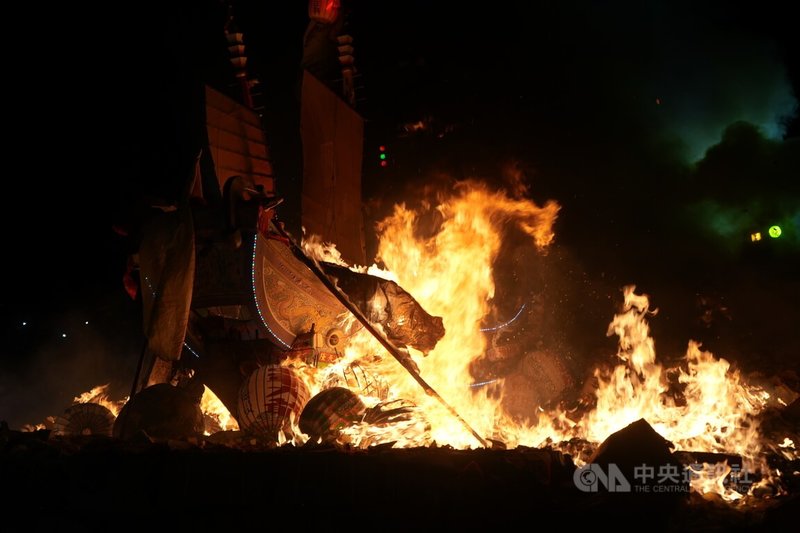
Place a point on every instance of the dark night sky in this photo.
(104, 107)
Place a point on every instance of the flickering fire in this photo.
(710, 479)
(718, 405)
(702, 405)
(213, 408)
(99, 395)
(450, 274)
(788, 449)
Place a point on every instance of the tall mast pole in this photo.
(238, 58)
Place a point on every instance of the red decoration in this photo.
(323, 11)
(130, 285)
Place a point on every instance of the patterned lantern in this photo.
(270, 400)
(84, 419)
(331, 410)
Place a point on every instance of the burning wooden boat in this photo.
(308, 351)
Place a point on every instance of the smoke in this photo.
(745, 185)
(680, 73)
(710, 80)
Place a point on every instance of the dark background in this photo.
(607, 109)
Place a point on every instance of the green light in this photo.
(775, 231)
(383, 156)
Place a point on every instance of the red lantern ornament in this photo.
(323, 11)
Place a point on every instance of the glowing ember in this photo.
(99, 395)
(28, 428)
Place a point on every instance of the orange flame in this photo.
(717, 415)
(711, 481)
(455, 261)
(213, 408)
(450, 274)
(99, 395)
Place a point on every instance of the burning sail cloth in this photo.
(384, 302)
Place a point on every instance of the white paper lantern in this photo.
(270, 399)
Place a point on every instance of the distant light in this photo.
(382, 148)
(87, 322)
(384, 163)
(658, 101)
(24, 323)
(775, 231)
(63, 335)
(383, 156)
(754, 237)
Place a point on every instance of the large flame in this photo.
(450, 274)
(703, 405)
(718, 409)
(716, 414)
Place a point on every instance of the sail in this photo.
(332, 135)
(236, 141)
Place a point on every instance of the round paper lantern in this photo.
(84, 419)
(331, 410)
(270, 400)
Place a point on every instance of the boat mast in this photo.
(238, 58)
